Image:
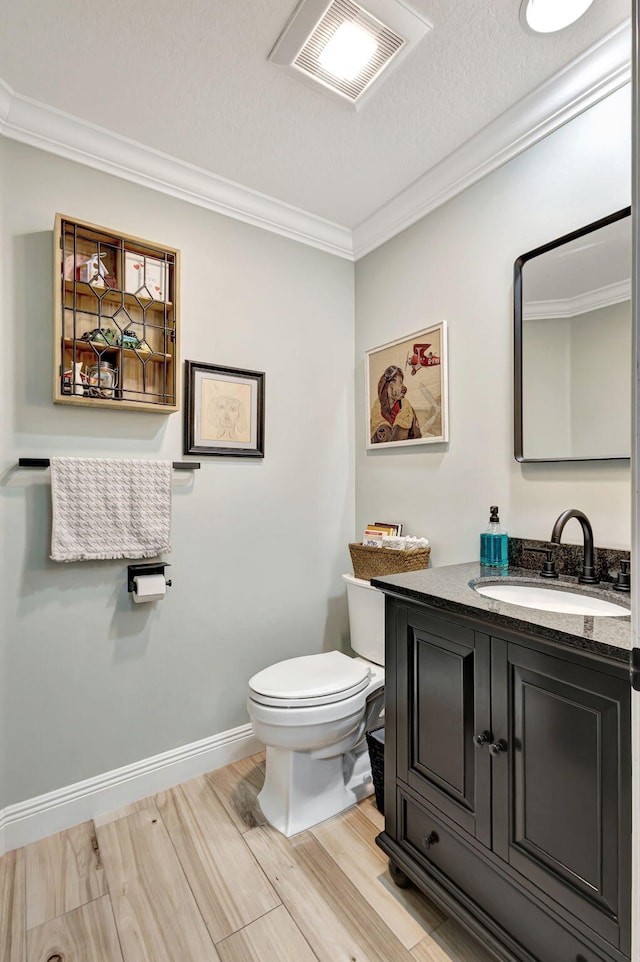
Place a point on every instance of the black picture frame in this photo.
(223, 411)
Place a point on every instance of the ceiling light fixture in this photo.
(343, 46)
(548, 16)
(349, 51)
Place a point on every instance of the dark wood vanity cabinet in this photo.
(444, 688)
(507, 784)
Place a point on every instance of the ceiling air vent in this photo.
(344, 47)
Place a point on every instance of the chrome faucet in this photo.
(588, 576)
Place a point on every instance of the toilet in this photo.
(312, 713)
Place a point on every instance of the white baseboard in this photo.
(38, 817)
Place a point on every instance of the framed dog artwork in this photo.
(223, 410)
(406, 382)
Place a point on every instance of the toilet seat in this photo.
(310, 680)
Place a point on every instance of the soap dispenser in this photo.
(494, 543)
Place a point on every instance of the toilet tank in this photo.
(366, 619)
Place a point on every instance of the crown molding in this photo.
(580, 304)
(39, 125)
(602, 70)
(596, 74)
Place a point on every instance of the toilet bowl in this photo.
(312, 713)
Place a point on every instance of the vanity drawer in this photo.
(475, 882)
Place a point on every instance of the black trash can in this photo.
(375, 743)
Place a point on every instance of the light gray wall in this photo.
(546, 387)
(601, 370)
(576, 390)
(457, 264)
(91, 682)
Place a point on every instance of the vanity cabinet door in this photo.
(443, 690)
(561, 806)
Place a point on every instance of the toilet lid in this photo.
(310, 680)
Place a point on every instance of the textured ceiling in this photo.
(192, 79)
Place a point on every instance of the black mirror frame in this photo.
(517, 332)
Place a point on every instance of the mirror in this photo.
(572, 304)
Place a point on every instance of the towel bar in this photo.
(45, 463)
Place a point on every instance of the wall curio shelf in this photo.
(116, 320)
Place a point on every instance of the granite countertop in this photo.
(449, 588)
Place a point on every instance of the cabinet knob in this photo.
(431, 839)
(482, 738)
(496, 747)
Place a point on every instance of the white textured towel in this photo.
(104, 508)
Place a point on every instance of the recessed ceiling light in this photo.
(349, 51)
(342, 47)
(547, 16)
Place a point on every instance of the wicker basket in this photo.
(375, 743)
(369, 562)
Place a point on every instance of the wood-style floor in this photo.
(195, 875)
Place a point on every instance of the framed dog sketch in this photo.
(223, 410)
(407, 390)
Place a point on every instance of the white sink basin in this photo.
(550, 599)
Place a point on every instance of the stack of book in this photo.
(374, 533)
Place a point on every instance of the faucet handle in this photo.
(624, 576)
(549, 566)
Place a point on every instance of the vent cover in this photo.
(343, 11)
(394, 27)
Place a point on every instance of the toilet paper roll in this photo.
(149, 588)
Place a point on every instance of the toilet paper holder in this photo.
(149, 568)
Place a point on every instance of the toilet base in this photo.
(299, 790)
